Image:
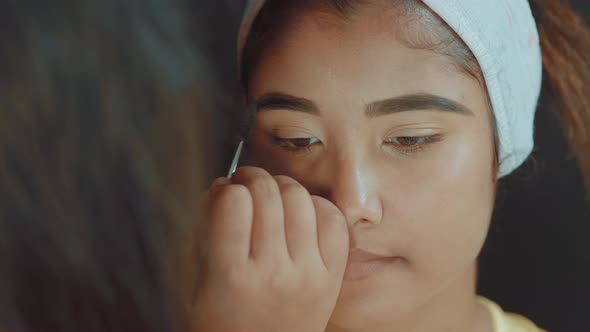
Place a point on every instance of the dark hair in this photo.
(565, 41)
(99, 164)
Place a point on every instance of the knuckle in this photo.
(277, 284)
(336, 219)
(264, 186)
(219, 182)
(248, 172)
(329, 212)
(284, 180)
(231, 194)
(311, 281)
(293, 189)
(215, 187)
(234, 274)
(280, 280)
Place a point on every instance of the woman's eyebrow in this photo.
(414, 102)
(277, 100)
(411, 102)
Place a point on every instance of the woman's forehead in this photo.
(356, 64)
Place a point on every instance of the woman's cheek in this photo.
(451, 225)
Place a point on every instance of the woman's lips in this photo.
(362, 264)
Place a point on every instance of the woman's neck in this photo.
(454, 309)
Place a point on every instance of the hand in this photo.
(276, 257)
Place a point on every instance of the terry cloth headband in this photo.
(503, 36)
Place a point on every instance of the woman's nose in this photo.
(354, 190)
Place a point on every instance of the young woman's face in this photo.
(398, 138)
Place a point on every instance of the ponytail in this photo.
(565, 41)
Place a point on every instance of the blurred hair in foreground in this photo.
(101, 104)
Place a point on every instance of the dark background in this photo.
(537, 258)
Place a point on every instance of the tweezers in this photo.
(236, 160)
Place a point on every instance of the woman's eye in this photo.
(410, 144)
(295, 143)
(407, 141)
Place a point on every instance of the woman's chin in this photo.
(369, 305)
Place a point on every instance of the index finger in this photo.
(231, 213)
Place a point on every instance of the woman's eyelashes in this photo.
(295, 144)
(403, 144)
(411, 144)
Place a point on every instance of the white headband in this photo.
(503, 36)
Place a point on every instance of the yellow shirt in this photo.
(508, 322)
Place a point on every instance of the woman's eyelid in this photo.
(413, 132)
(293, 132)
(299, 140)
